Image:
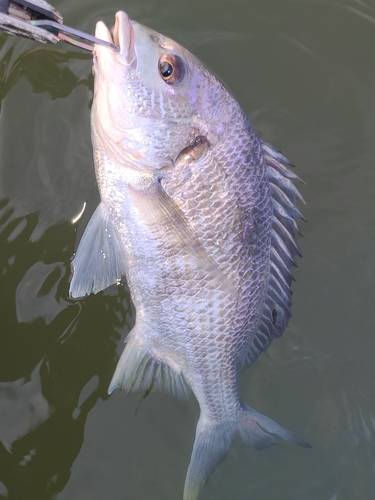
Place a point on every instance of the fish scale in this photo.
(200, 217)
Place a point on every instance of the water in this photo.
(304, 71)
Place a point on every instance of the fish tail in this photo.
(259, 431)
(212, 443)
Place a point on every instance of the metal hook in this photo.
(60, 30)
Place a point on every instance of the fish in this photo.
(200, 216)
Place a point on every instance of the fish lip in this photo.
(103, 33)
(122, 36)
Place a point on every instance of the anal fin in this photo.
(138, 369)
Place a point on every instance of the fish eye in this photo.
(171, 68)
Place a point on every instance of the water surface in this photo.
(304, 71)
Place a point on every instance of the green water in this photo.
(304, 70)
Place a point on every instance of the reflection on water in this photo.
(304, 72)
(55, 79)
(51, 377)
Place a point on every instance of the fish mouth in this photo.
(122, 36)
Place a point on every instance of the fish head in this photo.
(152, 98)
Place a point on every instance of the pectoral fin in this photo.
(159, 210)
(100, 258)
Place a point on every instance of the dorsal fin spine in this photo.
(276, 309)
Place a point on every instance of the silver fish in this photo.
(200, 216)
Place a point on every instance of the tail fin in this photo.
(212, 443)
(210, 448)
(261, 432)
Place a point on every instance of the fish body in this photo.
(199, 215)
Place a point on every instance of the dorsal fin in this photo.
(276, 311)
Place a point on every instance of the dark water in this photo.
(304, 70)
